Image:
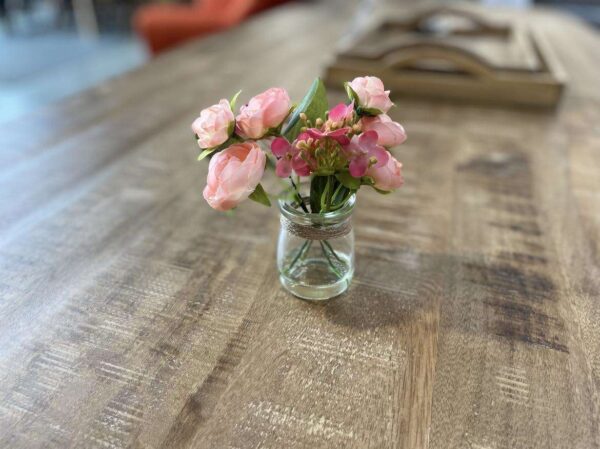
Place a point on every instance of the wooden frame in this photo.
(484, 62)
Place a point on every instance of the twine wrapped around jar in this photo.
(316, 232)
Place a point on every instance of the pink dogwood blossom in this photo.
(339, 135)
(364, 152)
(288, 158)
(341, 113)
(389, 133)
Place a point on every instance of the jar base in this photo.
(317, 292)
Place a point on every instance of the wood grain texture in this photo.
(134, 316)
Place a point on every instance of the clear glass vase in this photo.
(315, 252)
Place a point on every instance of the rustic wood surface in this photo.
(133, 315)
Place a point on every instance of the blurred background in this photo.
(50, 49)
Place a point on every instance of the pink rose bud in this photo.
(263, 112)
(213, 125)
(233, 174)
(389, 133)
(371, 93)
(387, 177)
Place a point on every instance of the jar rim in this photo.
(299, 216)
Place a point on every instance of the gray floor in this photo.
(39, 69)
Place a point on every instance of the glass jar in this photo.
(315, 252)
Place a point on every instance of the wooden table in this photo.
(133, 315)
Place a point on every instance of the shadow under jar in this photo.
(315, 251)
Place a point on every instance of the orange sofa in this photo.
(164, 26)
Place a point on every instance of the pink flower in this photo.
(389, 133)
(233, 174)
(371, 93)
(339, 135)
(387, 177)
(263, 112)
(214, 125)
(288, 158)
(364, 152)
(341, 113)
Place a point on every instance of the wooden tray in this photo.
(454, 54)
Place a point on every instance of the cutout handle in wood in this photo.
(476, 25)
(460, 60)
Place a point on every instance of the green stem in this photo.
(341, 203)
(337, 191)
(324, 199)
(333, 268)
(326, 243)
(301, 253)
(298, 196)
(330, 191)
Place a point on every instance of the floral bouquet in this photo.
(325, 154)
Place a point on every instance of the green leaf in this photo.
(317, 186)
(234, 100)
(367, 180)
(325, 195)
(260, 196)
(206, 152)
(353, 96)
(341, 198)
(349, 181)
(314, 105)
(340, 193)
(371, 112)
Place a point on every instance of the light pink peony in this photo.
(265, 111)
(389, 133)
(387, 177)
(371, 93)
(213, 125)
(233, 174)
